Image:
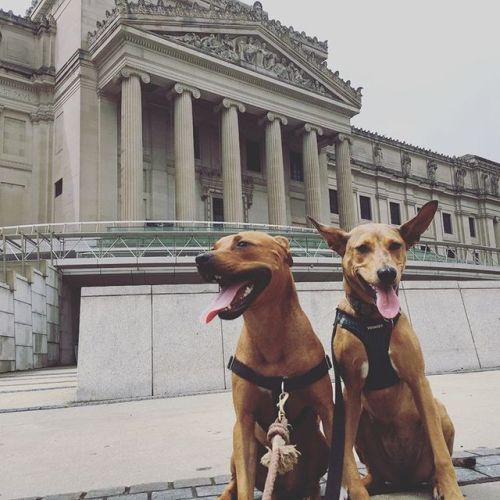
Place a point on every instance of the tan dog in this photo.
(253, 270)
(402, 434)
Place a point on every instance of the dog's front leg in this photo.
(245, 455)
(446, 485)
(351, 479)
(406, 354)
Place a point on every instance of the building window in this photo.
(58, 188)
(334, 203)
(395, 213)
(196, 137)
(472, 227)
(448, 229)
(253, 156)
(217, 210)
(296, 167)
(366, 207)
(451, 254)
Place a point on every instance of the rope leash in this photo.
(282, 457)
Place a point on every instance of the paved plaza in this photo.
(179, 447)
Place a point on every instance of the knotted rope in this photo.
(282, 457)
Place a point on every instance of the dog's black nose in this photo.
(203, 258)
(387, 275)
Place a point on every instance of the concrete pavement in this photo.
(80, 448)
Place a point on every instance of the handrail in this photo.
(143, 239)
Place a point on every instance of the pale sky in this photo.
(430, 69)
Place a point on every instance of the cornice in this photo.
(43, 23)
(469, 161)
(229, 10)
(122, 34)
(221, 9)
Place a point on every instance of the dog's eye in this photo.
(395, 246)
(363, 249)
(242, 244)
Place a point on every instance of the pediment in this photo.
(253, 53)
(239, 34)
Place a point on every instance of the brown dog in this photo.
(253, 270)
(402, 434)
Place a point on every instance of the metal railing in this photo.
(102, 241)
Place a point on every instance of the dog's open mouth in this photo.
(236, 294)
(385, 297)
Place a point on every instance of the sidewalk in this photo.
(84, 448)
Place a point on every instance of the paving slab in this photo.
(187, 441)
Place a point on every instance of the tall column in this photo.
(185, 177)
(312, 180)
(231, 160)
(325, 194)
(275, 169)
(347, 212)
(132, 176)
(42, 153)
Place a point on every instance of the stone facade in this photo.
(241, 119)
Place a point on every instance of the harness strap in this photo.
(278, 384)
(336, 456)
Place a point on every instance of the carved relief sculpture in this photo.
(431, 171)
(460, 174)
(252, 53)
(494, 185)
(378, 155)
(405, 164)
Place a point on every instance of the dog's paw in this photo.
(453, 494)
(355, 492)
(436, 495)
(344, 495)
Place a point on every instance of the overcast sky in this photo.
(430, 69)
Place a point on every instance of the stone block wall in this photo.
(29, 321)
(140, 341)
(7, 332)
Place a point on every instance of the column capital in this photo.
(180, 88)
(227, 103)
(272, 117)
(127, 72)
(339, 138)
(308, 128)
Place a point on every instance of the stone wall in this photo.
(147, 340)
(29, 321)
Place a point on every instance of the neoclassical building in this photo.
(205, 110)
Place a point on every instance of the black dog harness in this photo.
(376, 337)
(279, 384)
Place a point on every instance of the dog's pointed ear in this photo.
(285, 244)
(334, 236)
(412, 230)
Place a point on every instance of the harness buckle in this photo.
(328, 362)
(230, 364)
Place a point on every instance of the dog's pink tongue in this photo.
(223, 300)
(387, 302)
